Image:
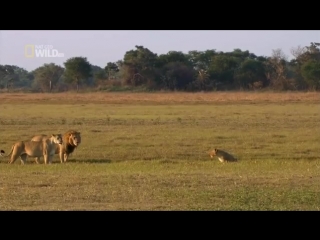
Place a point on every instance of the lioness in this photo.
(45, 148)
(71, 140)
(222, 155)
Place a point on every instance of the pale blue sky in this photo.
(105, 46)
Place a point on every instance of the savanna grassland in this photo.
(148, 151)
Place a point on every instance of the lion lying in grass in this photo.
(71, 140)
(45, 148)
(222, 155)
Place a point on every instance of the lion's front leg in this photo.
(45, 157)
(66, 156)
(61, 156)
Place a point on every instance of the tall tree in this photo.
(8, 76)
(243, 55)
(202, 80)
(222, 69)
(77, 70)
(176, 76)
(111, 69)
(98, 75)
(201, 60)
(249, 72)
(47, 76)
(311, 73)
(305, 57)
(276, 70)
(139, 66)
(173, 56)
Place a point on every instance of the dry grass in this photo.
(162, 98)
(152, 156)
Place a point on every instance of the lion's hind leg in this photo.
(37, 160)
(13, 158)
(23, 158)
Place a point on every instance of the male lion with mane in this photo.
(71, 140)
(46, 148)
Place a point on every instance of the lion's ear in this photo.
(216, 150)
(52, 135)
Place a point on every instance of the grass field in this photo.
(148, 151)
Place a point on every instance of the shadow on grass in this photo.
(168, 161)
(305, 158)
(101, 161)
(90, 161)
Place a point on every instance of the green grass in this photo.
(154, 156)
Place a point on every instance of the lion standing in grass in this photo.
(71, 140)
(46, 148)
(222, 155)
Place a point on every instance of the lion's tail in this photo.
(2, 152)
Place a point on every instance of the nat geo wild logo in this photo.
(41, 51)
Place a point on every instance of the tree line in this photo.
(208, 70)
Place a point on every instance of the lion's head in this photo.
(72, 138)
(213, 152)
(57, 138)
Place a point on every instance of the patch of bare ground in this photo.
(162, 97)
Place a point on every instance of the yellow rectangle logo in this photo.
(30, 53)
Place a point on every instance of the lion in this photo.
(71, 140)
(38, 138)
(222, 155)
(45, 148)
